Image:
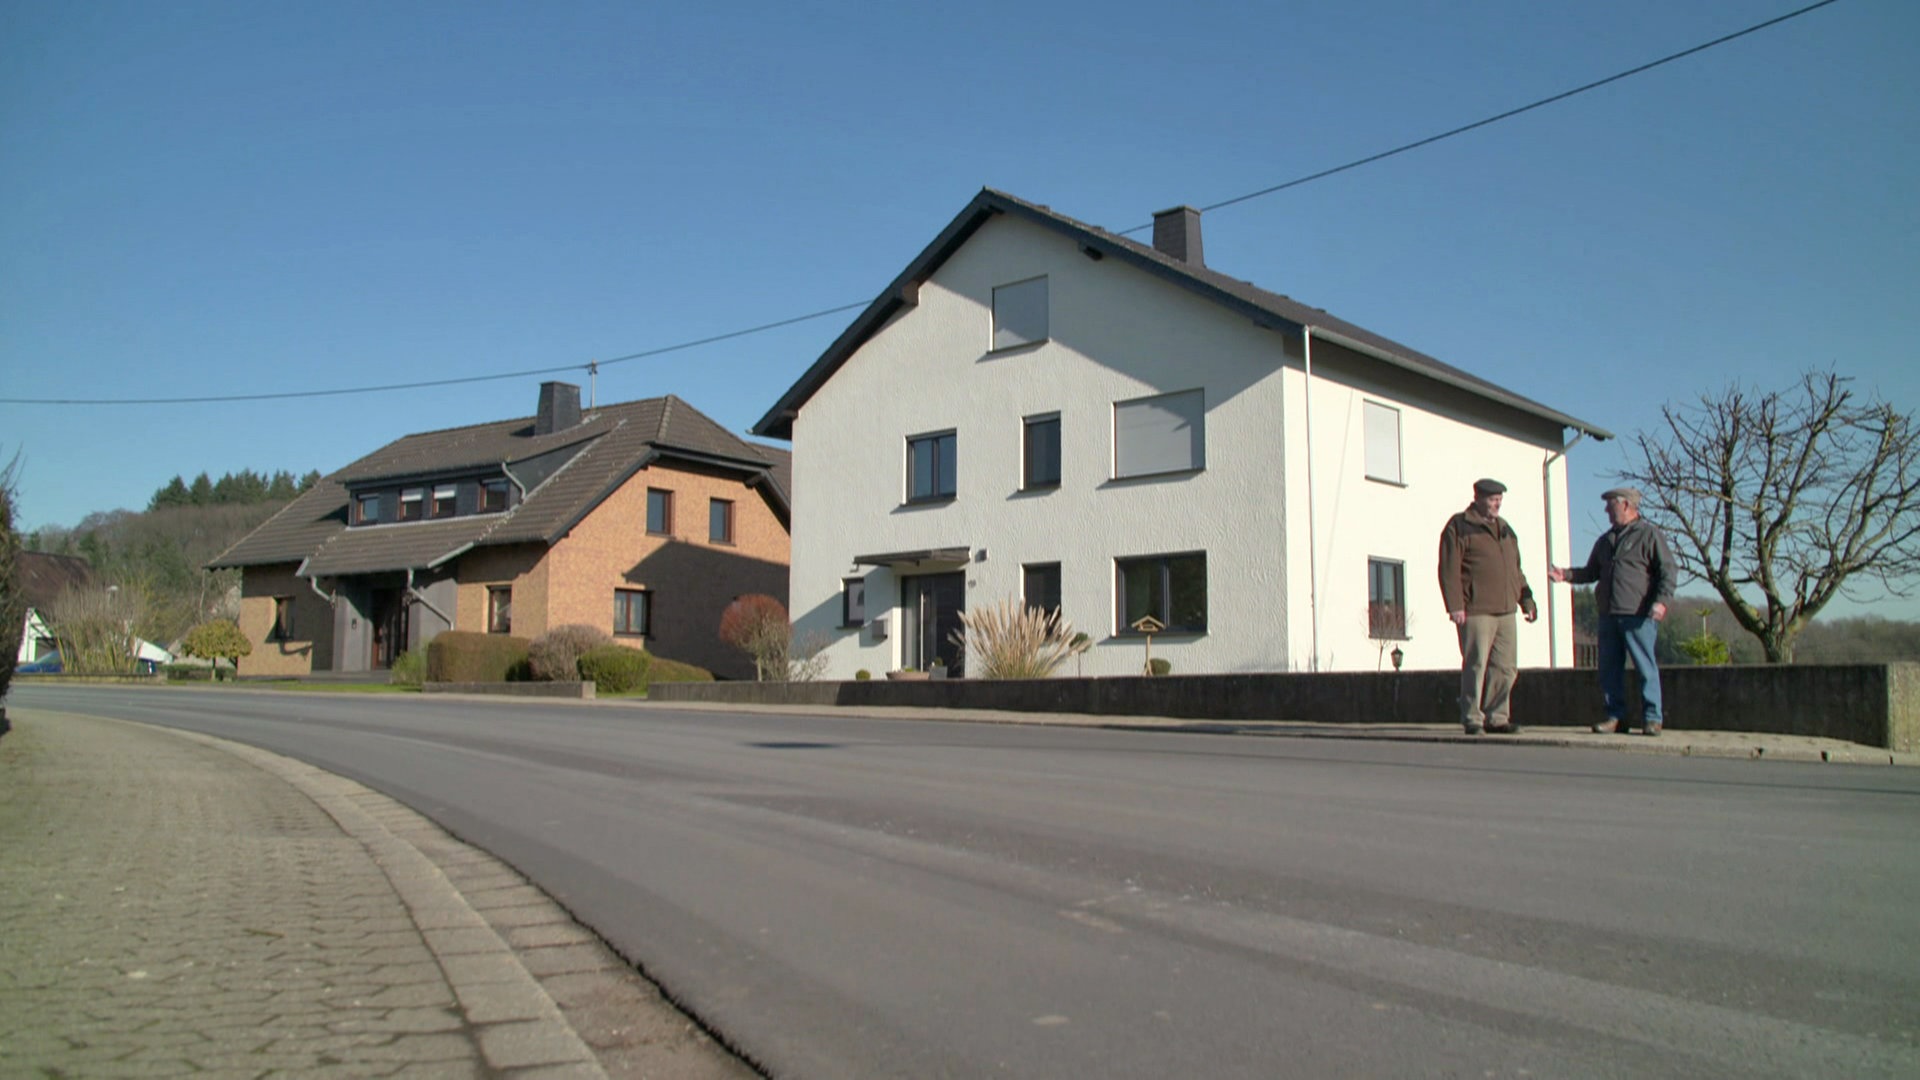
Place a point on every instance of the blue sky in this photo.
(255, 198)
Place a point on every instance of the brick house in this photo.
(644, 519)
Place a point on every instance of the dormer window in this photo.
(493, 496)
(366, 509)
(413, 504)
(445, 499)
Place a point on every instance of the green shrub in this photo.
(187, 672)
(1159, 666)
(615, 669)
(862, 675)
(409, 669)
(665, 670)
(467, 656)
(555, 655)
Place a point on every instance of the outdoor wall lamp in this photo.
(1398, 657)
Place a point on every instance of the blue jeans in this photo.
(1622, 636)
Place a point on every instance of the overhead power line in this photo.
(594, 364)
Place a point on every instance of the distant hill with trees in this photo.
(1855, 639)
(160, 552)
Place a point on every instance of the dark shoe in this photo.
(1504, 729)
(1651, 729)
(1473, 729)
(1607, 727)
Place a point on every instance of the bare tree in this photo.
(1793, 495)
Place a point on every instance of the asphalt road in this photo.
(853, 897)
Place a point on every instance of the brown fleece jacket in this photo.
(1480, 566)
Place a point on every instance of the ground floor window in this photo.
(632, 611)
(282, 619)
(1170, 588)
(853, 601)
(500, 609)
(1040, 586)
(1386, 599)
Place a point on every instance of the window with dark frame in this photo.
(1386, 599)
(445, 500)
(413, 504)
(1020, 313)
(1040, 586)
(932, 467)
(366, 508)
(282, 619)
(493, 496)
(1040, 465)
(720, 521)
(1166, 433)
(632, 611)
(1171, 588)
(499, 609)
(659, 511)
(853, 602)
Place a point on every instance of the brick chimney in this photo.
(1176, 232)
(559, 408)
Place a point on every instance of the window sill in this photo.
(1389, 483)
(1039, 489)
(1135, 635)
(631, 634)
(1171, 474)
(930, 500)
(1025, 346)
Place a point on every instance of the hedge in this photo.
(466, 656)
(615, 669)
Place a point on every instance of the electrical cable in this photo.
(590, 365)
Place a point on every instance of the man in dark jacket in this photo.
(1480, 580)
(1635, 576)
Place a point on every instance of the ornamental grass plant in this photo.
(1009, 640)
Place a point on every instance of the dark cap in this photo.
(1489, 487)
(1629, 495)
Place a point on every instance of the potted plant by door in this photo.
(907, 673)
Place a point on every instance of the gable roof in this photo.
(595, 456)
(1264, 308)
(44, 577)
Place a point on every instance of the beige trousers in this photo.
(1487, 647)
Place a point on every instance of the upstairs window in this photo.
(1386, 599)
(493, 496)
(932, 467)
(445, 500)
(366, 508)
(632, 611)
(1171, 588)
(1383, 442)
(1020, 313)
(1162, 434)
(413, 502)
(720, 521)
(1040, 467)
(659, 512)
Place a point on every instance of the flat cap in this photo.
(1489, 487)
(1629, 495)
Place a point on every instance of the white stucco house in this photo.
(1038, 408)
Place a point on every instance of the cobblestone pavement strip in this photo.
(177, 905)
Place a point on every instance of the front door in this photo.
(930, 615)
(389, 626)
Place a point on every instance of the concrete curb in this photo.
(517, 1024)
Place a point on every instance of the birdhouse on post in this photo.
(1148, 625)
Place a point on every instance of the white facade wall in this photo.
(1117, 333)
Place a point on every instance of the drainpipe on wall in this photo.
(1313, 556)
(515, 481)
(314, 583)
(424, 602)
(1546, 490)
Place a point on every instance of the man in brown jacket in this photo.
(1481, 582)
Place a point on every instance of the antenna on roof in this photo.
(593, 383)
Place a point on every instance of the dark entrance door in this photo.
(931, 604)
(389, 626)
